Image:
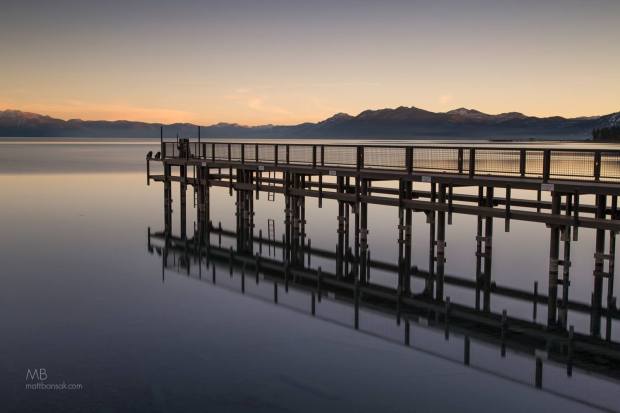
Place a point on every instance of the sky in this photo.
(286, 62)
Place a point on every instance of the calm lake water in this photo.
(84, 299)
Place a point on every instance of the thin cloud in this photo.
(111, 111)
(445, 99)
(256, 102)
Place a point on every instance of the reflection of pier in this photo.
(350, 175)
(572, 349)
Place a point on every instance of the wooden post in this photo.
(488, 248)
(408, 239)
(183, 194)
(566, 241)
(546, 164)
(441, 243)
(597, 295)
(597, 165)
(472, 162)
(363, 233)
(479, 254)
(430, 281)
(401, 236)
(507, 216)
(554, 247)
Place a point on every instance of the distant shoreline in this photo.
(402, 123)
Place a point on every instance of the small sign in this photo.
(332, 173)
(427, 179)
(546, 187)
(261, 167)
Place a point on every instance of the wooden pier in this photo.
(582, 186)
(355, 173)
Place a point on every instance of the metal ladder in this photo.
(271, 236)
(271, 195)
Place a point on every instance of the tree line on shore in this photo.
(611, 133)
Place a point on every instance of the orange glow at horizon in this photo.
(273, 62)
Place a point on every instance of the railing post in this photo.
(546, 164)
(229, 154)
(213, 152)
(314, 156)
(472, 162)
(597, 165)
(256, 152)
(161, 141)
(360, 157)
(460, 161)
(409, 159)
(322, 155)
(287, 154)
(242, 153)
(275, 154)
(522, 164)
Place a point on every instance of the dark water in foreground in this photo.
(82, 298)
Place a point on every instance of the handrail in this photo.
(530, 162)
(499, 146)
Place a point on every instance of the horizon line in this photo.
(81, 119)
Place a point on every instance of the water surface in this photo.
(84, 299)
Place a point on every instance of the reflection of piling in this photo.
(538, 374)
(466, 350)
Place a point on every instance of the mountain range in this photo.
(401, 122)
